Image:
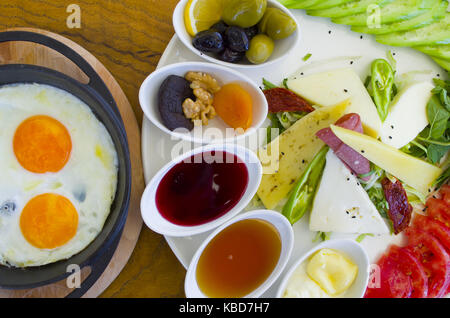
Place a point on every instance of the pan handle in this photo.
(95, 81)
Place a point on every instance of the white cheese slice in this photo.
(407, 115)
(341, 204)
(330, 88)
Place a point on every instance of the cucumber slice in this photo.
(435, 33)
(399, 10)
(348, 8)
(430, 16)
(328, 4)
(440, 51)
(299, 4)
(445, 64)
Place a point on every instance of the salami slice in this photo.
(400, 210)
(283, 100)
(354, 160)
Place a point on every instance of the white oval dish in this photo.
(282, 47)
(217, 130)
(283, 227)
(156, 222)
(351, 249)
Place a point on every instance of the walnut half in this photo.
(204, 87)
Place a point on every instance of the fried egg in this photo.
(58, 175)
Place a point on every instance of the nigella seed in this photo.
(392, 126)
(362, 151)
(390, 137)
(346, 90)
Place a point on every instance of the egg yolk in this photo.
(48, 221)
(42, 144)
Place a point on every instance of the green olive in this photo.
(277, 24)
(261, 48)
(243, 13)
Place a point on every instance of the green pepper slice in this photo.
(382, 84)
(301, 197)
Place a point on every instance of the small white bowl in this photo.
(217, 130)
(156, 222)
(284, 228)
(351, 249)
(282, 47)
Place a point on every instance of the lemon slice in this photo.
(200, 15)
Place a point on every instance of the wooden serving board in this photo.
(36, 54)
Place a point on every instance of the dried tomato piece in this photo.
(400, 210)
(283, 100)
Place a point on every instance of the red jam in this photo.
(202, 188)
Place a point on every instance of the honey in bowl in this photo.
(202, 188)
(239, 259)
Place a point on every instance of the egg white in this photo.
(88, 180)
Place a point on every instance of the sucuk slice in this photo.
(387, 281)
(283, 100)
(435, 228)
(434, 259)
(399, 10)
(400, 210)
(355, 161)
(439, 210)
(428, 17)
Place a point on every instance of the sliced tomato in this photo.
(445, 191)
(392, 282)
(435, 228)
(411, 266)
(439, 210)
(434, 259)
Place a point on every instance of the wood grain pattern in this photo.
(128, 37)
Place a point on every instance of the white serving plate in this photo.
(332, 46)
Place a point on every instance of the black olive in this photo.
(251, 32)
(208, 41)
(220, 27)
(231, 56)
(236, 39)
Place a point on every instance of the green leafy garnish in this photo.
(307, 57)
(361, 237)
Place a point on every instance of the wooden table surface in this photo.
(128, 37)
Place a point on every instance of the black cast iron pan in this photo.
(97, 96)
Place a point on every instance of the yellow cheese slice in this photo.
(414, 172)
(287, 156)
(332, 87)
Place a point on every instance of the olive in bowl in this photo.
(237, 49)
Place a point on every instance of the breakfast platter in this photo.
(289, 149)
(94, 278)
(322, 46)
